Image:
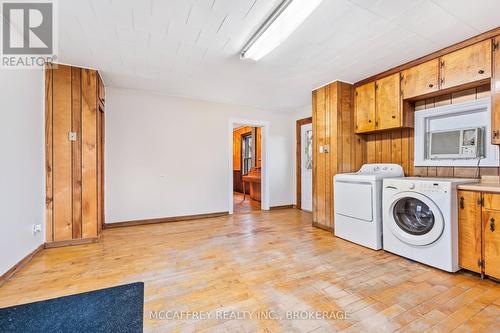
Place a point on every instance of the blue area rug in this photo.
(117, 309)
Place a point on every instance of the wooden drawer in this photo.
(491, 201)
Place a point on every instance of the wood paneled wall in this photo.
(333, 126)
(397, 146)
(237, 133)
(72, 166)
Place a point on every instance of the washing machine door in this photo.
(415, 219)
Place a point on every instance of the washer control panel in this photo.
(432, 187)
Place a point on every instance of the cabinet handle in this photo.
(492, 224)
(495, 134)
(369, 121)
(481, 71)
(431, 85)
(461, 202)
(393, 117)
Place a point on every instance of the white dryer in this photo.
(421, 220)
(358, 203)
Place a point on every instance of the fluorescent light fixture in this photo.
(278, 27)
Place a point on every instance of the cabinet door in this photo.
(365, 108)
(420, 80)
(469, 230)
(467, 65)
(495, 92)
(388, 102)
(491, 238)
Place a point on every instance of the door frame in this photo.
(264, 125)
(298, 158)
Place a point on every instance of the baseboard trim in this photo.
(71, 242)
(23, 262)
(163, 220)
(282, 207)
(323, 227)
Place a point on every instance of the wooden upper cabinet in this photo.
(467, 65)
(495, 93)
(420, 80)
(365, 108)
(491, 232)
(469, 231)
(388, 102)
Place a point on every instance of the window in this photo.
(246, 153)
(309, 150)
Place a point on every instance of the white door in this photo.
(306, 167)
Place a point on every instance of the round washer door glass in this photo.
(413, 216)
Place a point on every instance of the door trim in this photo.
(298, 158)
(264, 125)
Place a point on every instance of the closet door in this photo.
(89, 153)
(62, 154)
(73, 154)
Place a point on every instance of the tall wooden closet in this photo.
(74, 129)
(336, 147)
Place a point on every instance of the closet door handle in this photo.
(492, 224)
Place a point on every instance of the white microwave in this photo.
(465, 143)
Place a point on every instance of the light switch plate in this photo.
(324, 149)
(72, 136)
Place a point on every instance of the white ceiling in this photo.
(191, 47)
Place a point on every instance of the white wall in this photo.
(167, 156)
(22, 193)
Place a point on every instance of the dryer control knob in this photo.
(411, 186)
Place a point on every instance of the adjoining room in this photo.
(250, 166)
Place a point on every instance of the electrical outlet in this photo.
(37, 228)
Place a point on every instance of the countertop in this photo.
(487, 184)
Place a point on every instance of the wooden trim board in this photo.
(23, 262)
(162, 220)
(320, 226)
(71, 242)
(282, 207)
(298, 158)
(468, 42)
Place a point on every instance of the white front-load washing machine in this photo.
(420, 220)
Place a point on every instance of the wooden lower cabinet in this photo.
(479, 233)
(469, 230)
(491, 240)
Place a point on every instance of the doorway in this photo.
(304, 163)
(247, 174)
(248, 177)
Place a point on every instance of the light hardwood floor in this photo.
(270, 261)
(244, 206)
